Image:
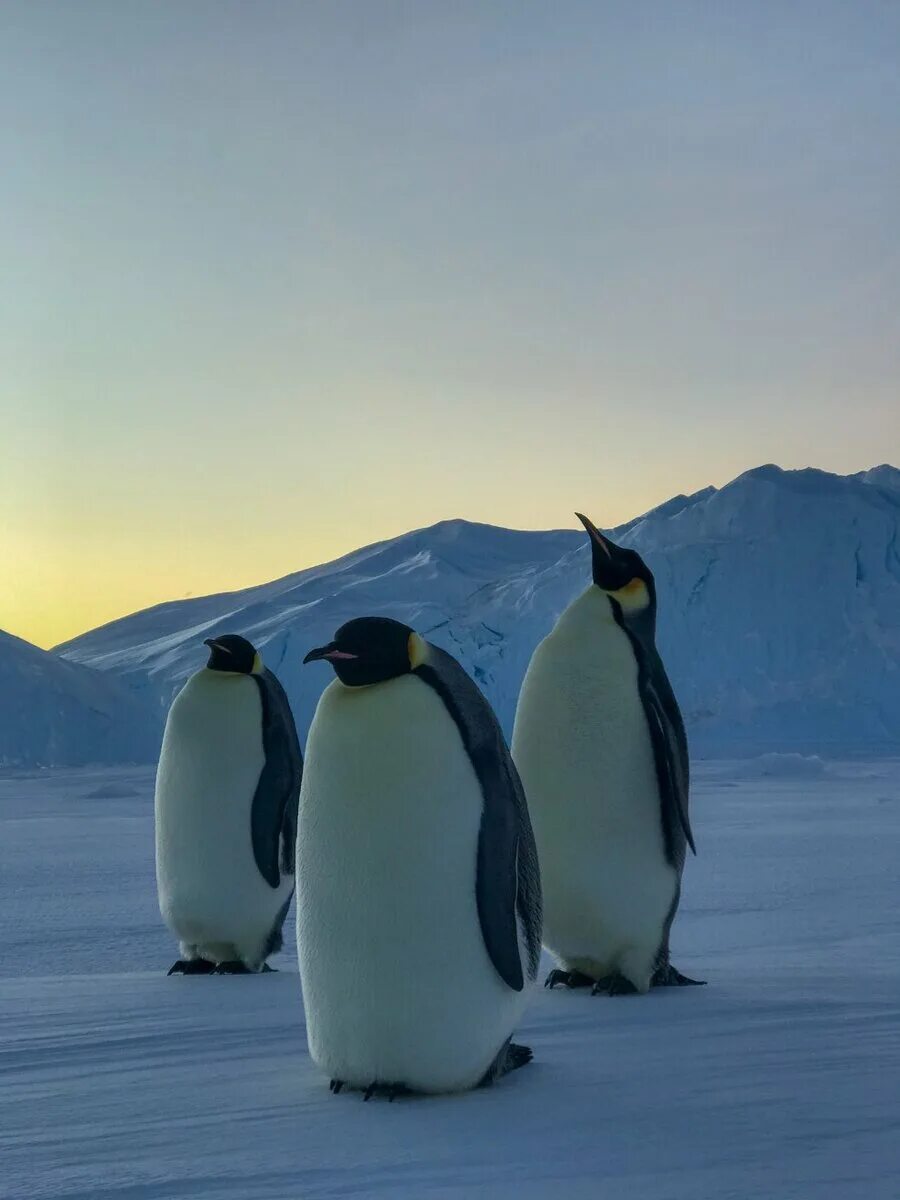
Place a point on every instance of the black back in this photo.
(507, 875)
(273, 818)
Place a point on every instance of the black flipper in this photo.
(669, 750)
(273, 821)
(507, 879)
(667, 735)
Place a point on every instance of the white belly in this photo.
(583, 749)
(210, 890)
(397, 984)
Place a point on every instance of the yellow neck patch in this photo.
(257, 664)
(417, 648)
(633, 596)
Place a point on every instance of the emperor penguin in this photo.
(419, 900)
(601, 749)
(227, 790)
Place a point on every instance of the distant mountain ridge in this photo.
(779, 599)
(54, 711)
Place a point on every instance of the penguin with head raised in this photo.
(600, 745)
(418, 902)
(227, 789)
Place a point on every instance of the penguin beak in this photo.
(329, 652)
(597, 538)
(214, 645)
(606, 566)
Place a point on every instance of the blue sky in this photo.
(280, 279)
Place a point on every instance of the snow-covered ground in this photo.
(777, 1081)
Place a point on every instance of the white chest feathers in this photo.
(397, 983)
(210, 890)
(583, 749)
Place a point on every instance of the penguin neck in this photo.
(589, 614)
(209, 675)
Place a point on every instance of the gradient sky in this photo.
(282, 279)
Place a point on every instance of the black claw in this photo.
(669, 976)
(390, 1090)
(569, 979)
(191, 966)
(518, 1056)
(618, 985)
(233, 967)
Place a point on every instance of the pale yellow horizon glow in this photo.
(55, 590)
(62, 582)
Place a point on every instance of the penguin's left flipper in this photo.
(670, 756)
(273, 815)
(191, 966)
(510, 1057)
(507, 878)
(668, 976)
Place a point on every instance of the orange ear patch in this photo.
(633, 597)
(417, 649)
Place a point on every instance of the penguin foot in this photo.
(233, 967)
(614, 985)
(510, 1057)
(191, 966)
(569, 979)
(668, 976)
(389, 1090)
(335, 1086)
(517, 1056)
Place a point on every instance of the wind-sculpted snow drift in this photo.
(779, 600)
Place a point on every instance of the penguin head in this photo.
(233, 654)
(371, 650)
(621, 573)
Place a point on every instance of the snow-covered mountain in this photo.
(779, 609)
(54, 711)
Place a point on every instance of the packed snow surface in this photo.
(779, 600)
(778, 1080)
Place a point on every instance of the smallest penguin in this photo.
(227, 790)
